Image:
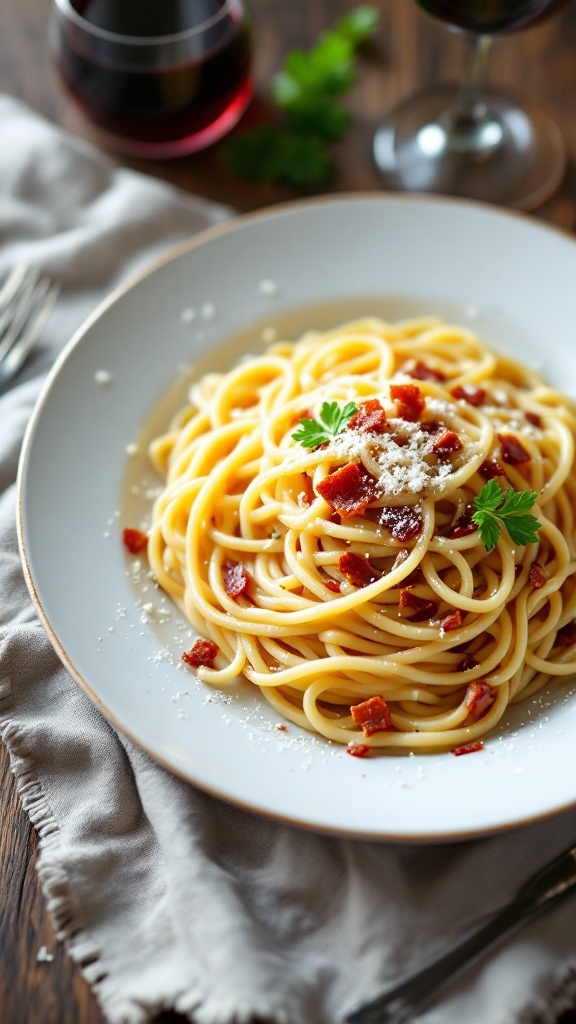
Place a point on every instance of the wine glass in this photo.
(156, 79)
(470, 141)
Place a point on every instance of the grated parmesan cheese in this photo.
(401, 468)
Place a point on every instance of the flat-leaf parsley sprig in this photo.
(306, 94)
(496, 508)
(332, 421)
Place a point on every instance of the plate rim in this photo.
(235, 222)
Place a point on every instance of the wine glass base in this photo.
(520, 162)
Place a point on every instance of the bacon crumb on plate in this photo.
(567, 635)
(479, 697)
(358, 749)
(409, 400)
(370, 417)
(356, 569)
(134, 540)
(421, 371)
(452, 620)
(469, 748)
(403, 521)
(202, 652)
(462, 526)
(235, 578)
(533, 418)
(470, 393)
(446, 444)
(349, 490)
(537, 576)
(423, 609)
(491, 468)
(373, 715)
(468, 662)
(513, 451)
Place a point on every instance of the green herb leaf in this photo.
(306, 92)
(270, 153)
(495, 508)
(359, 24)
(333, 420)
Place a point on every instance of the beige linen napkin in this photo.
(166, 896)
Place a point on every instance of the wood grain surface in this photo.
(409, 52)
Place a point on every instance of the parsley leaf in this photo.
(306, 94)
(495, 508)
(333, 421)
(270, 153)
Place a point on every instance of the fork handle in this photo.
(401, 1002)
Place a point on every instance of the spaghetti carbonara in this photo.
(319, 527)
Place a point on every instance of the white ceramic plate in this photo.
(508, 276)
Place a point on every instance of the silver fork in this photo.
(402, 1001)
(26, 300)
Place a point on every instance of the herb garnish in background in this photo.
(495, 508)
(307, 93)
(333, 421)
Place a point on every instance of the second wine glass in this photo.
(468, 140)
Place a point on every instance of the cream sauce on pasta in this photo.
(240, 491)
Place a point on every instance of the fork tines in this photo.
(26, 299)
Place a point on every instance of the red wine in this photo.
(490, 17)
(161, 95)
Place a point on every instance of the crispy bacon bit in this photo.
(235, 577)
(513, 450)
(358, 749)
(421, 371)
(468, 662)
(468, 748)
(533, 418)
(422, 608)
(491, 468)
(469, 393)
(373, 715)
(462, 526)
(370, 416)
(537, 576)
(567, 635)
(452, 620)
(202, 652)
(304, 414)
(356, 569)
(280, 727)
(306, 496)
(409, 401)
(416, 576)
(332, 585)
(403, 521)
(134, 540)
(479, 697)
(433, 427)
(446, 443)
(349, 490)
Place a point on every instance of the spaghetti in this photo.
(348, 579)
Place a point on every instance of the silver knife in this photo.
(401, 1001)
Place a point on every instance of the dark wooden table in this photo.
(409, 52)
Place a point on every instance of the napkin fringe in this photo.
(561, 998)
(56, 889)
(53, 878)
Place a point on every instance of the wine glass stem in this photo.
(476, 62)
(470, 127)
